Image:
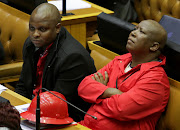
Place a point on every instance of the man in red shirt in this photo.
(131, 92)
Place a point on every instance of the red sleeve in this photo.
(149, 95)
(90, 89)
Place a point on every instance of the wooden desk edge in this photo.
(9, 94)
(104, 51)
(99, 7)
(88, 17)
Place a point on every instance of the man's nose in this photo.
(133, 33)
(36, 33)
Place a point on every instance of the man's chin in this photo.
(128, 48)
(37, 45)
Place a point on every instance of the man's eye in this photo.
(42, 29)
(31, 28)
(141, 31)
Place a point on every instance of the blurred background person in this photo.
(9, 117)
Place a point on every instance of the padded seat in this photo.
(14, 26)
(155, 9)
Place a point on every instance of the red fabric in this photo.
(145, 95)
(40, 68)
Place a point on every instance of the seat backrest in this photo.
(113, 32)
(155, 9)
(172, 48)
(101, 56)
(14, 26)
(171, 117)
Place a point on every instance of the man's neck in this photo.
(143, 59)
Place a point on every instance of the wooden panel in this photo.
(90, 28)
(9, 79)
(84, 15)
(102, 50)
(68, 27)
(14, 98)
(78, 31)
(174, 83)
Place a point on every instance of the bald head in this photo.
(46, 11)
(44, 25)
(148, 38)
(157, 32)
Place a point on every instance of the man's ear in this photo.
(155, 46)
(58, 27)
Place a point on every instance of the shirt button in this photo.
(120, 61)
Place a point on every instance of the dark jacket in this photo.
(66, 65)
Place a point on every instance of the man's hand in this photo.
(99, 78)
(109, 92)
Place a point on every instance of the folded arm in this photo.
(104, 80)
(149, 96)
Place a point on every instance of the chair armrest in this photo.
(10, 72)
(101, 56)
(103, 51)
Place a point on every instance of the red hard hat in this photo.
(52, 109)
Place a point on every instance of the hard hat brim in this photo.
(46, 120)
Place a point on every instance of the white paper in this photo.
(71, 4)
(22, 108)
(2, 88)
(23, 127)
(29, 126)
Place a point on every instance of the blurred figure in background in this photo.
(9, 117)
